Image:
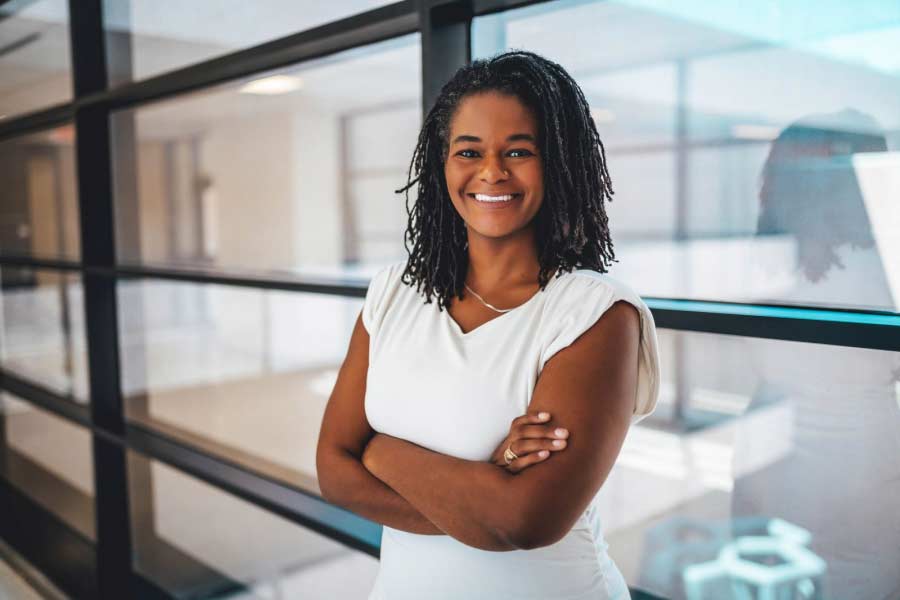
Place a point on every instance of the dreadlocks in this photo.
(571, 227)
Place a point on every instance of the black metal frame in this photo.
(445, 27)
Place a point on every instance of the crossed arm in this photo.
(588, 386)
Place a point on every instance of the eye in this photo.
(524, 151)
(460, 153)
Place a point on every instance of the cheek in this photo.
(536, 180)
(452, 177)
(456, 179)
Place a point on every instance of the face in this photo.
(493, 168)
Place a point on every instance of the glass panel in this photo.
(39, 198)
(292, 171)
(196, 541)
(770, 469)
(35, 68)
(49, 459)
(164, 35)
(768, 143)
(42, 336)
(240, 372)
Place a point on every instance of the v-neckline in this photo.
(468, 334)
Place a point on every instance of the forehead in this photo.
(490, 113)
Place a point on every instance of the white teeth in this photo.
(484, 198)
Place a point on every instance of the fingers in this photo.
(533, 439)
(523, 447)
(527, 419)
(540, 431)
(535, 426)
(528, 460)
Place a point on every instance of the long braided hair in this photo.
(571, 227)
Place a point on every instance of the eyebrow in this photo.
(516, 137)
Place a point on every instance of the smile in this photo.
(494, 199)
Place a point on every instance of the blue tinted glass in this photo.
(754, 150)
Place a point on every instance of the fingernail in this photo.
(543, 453)
(561, 432)
(543, 415)
(558, 443)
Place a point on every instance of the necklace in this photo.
(492, 307)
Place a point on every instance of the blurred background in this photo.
(193, 197)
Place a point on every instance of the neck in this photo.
(502, 263)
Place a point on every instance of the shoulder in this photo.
(577, 302)
(388, 272)
(584, 285)
(382, 289)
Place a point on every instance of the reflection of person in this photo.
(512, 184)
(840, 477)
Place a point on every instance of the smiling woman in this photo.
(434, 427)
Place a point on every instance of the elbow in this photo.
(535, 531)
(325, 476)
(534, 538)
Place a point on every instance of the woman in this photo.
(509, 318)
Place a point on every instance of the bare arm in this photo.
(590, 386)
(343, 479)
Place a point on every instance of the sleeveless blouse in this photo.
(456, 393)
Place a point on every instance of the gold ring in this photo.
(509, 455)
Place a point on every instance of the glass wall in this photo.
(35, 66)
(39, 208)
(754, 154)
(150, 38)
(49, 460)
(196, 541)
(290, 171)
(240, 372)
(794, 443)
(42, 336)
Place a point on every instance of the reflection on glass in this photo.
(768, 461)
(38, 195)
(694, 120)
(48, 459)
(35, 69)
(149, 38)
(292, 170)
(240, 372)
(196, 541)
(42, 336)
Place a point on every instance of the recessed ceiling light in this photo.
(755, 132)
(276, 84)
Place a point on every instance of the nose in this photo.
(492, 171)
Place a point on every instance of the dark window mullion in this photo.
(94, 172)
(446, 27)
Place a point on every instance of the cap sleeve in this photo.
(578, 302)
(375, 304)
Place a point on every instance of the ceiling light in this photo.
(276, 84)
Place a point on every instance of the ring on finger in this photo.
(509, 455)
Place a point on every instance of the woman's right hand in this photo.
(532, 438)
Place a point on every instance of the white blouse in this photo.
(457, 393)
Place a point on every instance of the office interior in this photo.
(193, 197)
